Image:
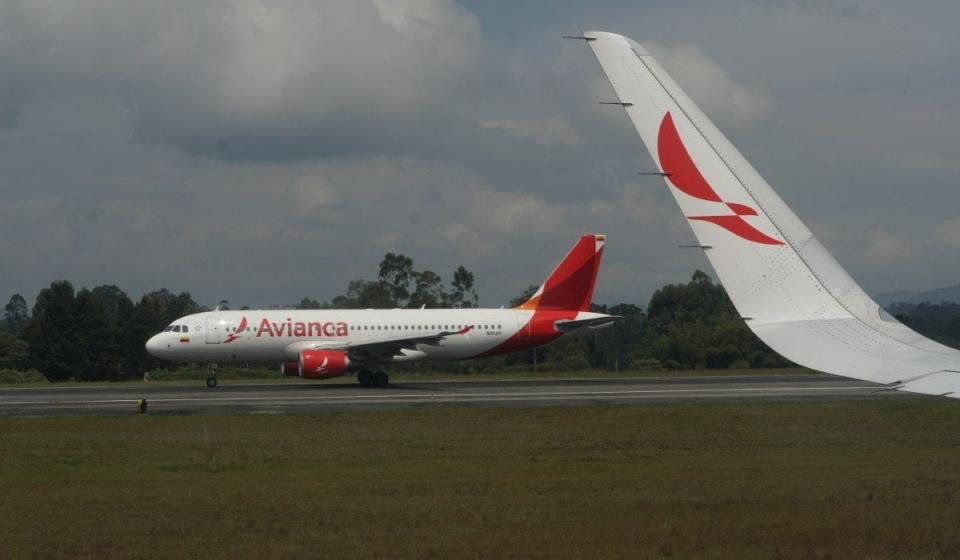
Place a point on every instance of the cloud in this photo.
(948, 233)
(731, 103)
(546, 132)
(263, 151)
(831, 8)
(234, 78)
(884, 249)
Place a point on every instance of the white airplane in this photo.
(319, 344)
(786, 286)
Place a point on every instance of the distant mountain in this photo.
(938, 295)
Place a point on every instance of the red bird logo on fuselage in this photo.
(236, 334)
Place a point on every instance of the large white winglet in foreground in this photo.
(333, 342)
(783, 282)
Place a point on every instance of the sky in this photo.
(260, 152)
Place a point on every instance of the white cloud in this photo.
(948, 233)
(720, 96)
(545, 132)
(196, 73)
(309, 195)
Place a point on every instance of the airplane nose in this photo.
(155, 346)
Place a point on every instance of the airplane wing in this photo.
(375, 349)
(792, 293)
(595, 323)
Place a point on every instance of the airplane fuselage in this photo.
(271, 336)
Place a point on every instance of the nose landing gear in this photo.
(212, 379)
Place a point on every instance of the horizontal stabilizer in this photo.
(595, 323)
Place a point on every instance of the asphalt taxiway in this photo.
(294, 396)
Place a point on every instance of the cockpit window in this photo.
(168, 329)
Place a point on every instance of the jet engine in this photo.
(321, 364)
(290, 369)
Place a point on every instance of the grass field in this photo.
(864, 479)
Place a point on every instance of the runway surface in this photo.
(300, 397)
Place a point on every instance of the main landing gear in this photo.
(373, 379)
(212, 379)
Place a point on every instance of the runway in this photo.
(294, 396)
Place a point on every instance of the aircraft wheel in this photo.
(211, 382)
(381, 379)
(365, 378)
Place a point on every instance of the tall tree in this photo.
(52, 332)
(362, 294)
(308, 303)
(154, 311)
(396, 273)
(428, 291)
(611, 347)
(14, 352)
(97, 342)
(109, 296)
(463, 294)
(695, 325)
(15, 314)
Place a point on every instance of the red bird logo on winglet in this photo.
(682, 173)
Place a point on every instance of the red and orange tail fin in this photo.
(570, 286)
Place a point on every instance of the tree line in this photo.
(99, 333)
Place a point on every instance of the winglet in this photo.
(570, 286)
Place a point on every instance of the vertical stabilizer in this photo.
(570, 286)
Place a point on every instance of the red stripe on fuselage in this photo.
(540, 331)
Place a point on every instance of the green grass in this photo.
(860, 479)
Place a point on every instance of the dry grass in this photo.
(865, 479)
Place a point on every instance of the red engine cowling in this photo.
(290, 369)
(321, 364)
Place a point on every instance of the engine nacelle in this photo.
(290, 369)
(321, 364)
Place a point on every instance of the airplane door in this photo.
(523, 326)
(213, 330)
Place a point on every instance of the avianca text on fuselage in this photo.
(301, 329)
